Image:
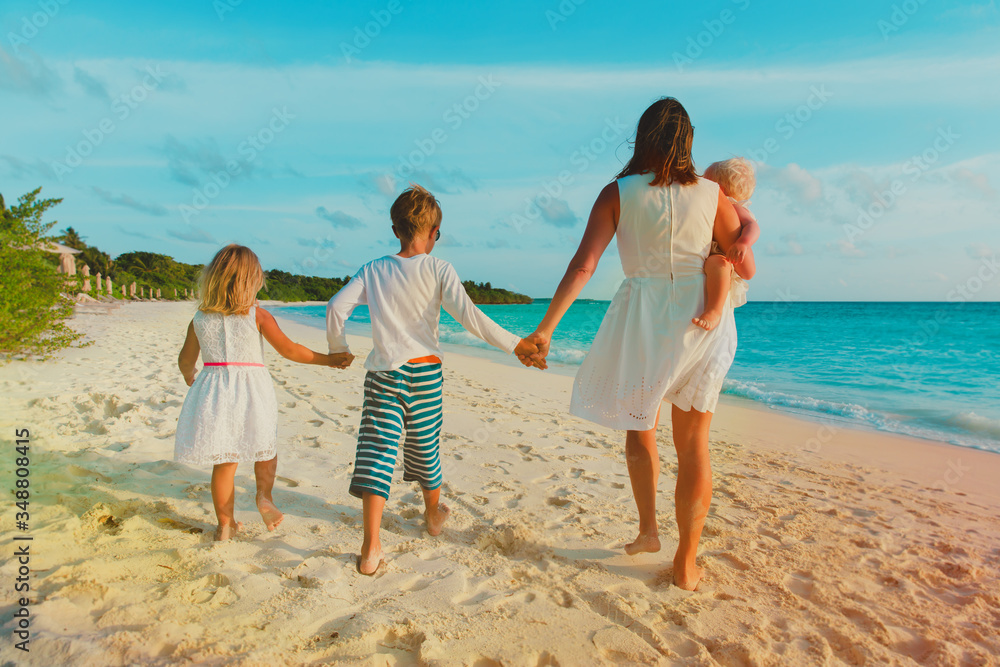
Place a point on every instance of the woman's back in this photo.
(665, 232)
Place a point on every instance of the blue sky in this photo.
(874, 125)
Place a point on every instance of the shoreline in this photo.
(819, 547)
(816, 419)
(927, 461)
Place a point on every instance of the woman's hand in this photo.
(189, 378)
(527, 353)
(537, 357)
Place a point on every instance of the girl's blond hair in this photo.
(735, 176)
(230, 282)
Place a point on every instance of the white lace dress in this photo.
(647, 350)
(230, 414)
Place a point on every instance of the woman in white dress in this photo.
(647, 349)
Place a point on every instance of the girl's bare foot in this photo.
(708, 320)
(643, 544)
(686, 577)
(226, 532)
(435, 518)
(369, 565)
(272, 515)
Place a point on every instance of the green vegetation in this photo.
(485, 293)
(282, 286)
(35, 300)
(151, 271)
(32, 308)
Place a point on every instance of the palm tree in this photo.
(72, 239)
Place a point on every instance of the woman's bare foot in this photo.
(708, 320)
(272, 515)
(643, 544)
(227, 531)
(686, 577)
(436, 518)
(369, 564)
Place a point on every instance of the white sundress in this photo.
(647, 349)
(230, 414)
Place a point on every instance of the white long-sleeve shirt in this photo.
(405, 296)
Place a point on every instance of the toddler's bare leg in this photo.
(224, 500)
(718, 274)
(371, 547)
(265, 472)
(435, 513)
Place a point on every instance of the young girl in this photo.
(724, 274)
(230, 414)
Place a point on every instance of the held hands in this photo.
(340, 360)
(189, 379)
(531, 351)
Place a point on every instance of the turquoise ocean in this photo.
(929, 370)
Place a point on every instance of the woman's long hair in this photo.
(663, 144)
(229, 284)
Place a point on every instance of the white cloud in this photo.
(801, 188)
(977, 182)
(979, 250)
(846, 248)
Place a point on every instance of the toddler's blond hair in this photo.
(735, 176)
(230, 282)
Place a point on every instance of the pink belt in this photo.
(234, 363)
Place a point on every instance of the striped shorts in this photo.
(408, 398)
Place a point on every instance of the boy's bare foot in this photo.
(435, 520)
(272, 515)
(369, 565)
(643, 544)
(686, 577)
(708, 320)
(227, 531)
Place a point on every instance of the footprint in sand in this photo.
(291, 483)
(799, 583)
(213, 588)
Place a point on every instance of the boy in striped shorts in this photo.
(405, 293)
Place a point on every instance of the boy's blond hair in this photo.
(735, 176)
(230, 282)
(414, 212)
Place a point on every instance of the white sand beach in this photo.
(824, 546)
